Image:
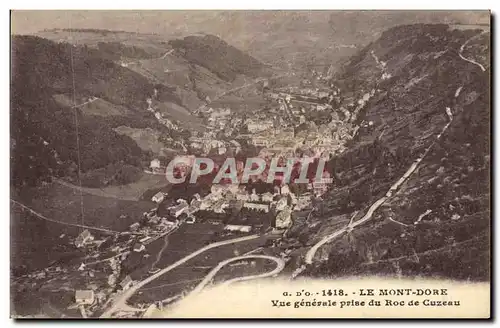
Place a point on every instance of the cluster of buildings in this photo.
(208, 142)
(255, 125)
(222, 121)
(226, 201)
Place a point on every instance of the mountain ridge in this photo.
(416, 75)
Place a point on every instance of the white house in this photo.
(84, 297)
(267, 197)
(285, 190)
(254, 197)
(257, 207)
(155, 164)
(138, 247)
(135, 226)
(284, 219)
(83, 238)
(241, 228)
(176, 211)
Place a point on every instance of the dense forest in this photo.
(218, 56)
(424, 76)
(118, 50)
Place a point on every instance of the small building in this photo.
(320, 186)
(240, 228)
(84, 297)
(242, 195)
(267, 197)
(254, 197)
(155, 164)
(285, 190)
(134, 226)
(261, 141)
(112, 280)
(177, 210)
(139, 247)
(284, 219)
(217, 189)
(258, 207)
(281, 204)
(194, 207)
(214, 221)
(126, 283)
(158, 197)
(83, 238)
(259, 126)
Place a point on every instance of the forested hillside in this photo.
(438, 223)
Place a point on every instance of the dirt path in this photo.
(280, 264)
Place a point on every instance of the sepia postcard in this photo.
(250, 164)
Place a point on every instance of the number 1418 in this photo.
(333, 292)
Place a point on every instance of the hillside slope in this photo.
(437, 223)
(194, 67)
(272, 36)
(217, 56)
(44, 128)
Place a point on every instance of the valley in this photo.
(402, 122)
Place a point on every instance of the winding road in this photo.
(225, 93)
(120, 300)
(280, 264)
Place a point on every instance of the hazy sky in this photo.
(161, 22)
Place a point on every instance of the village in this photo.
(315, 117)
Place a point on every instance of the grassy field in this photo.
(180, 114)
(146, 139)
(130, 192)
